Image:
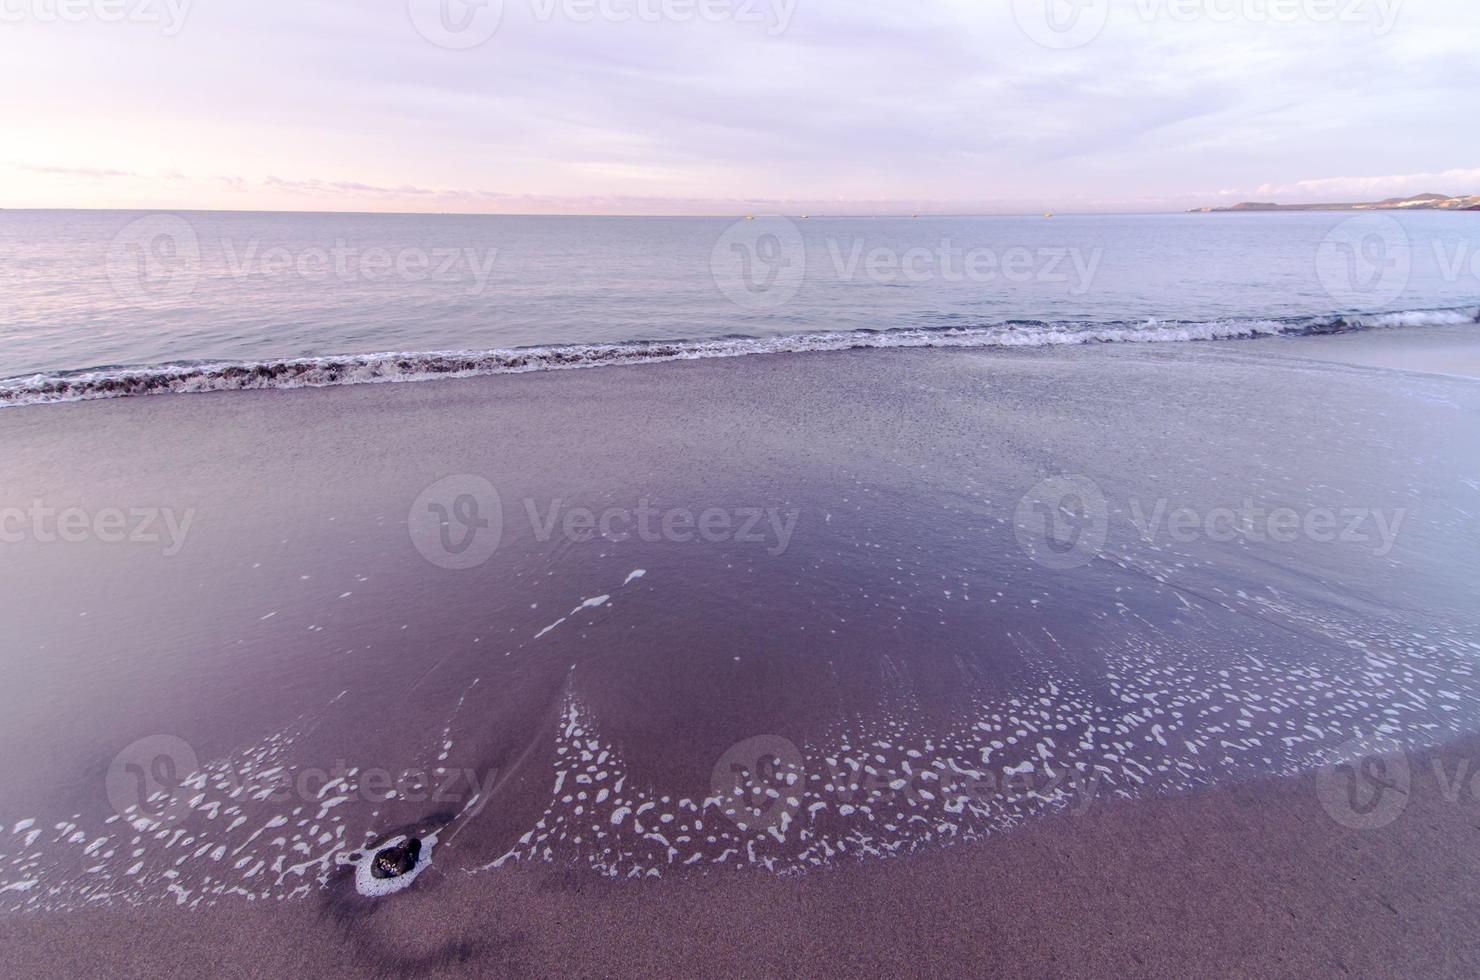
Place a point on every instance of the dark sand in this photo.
(914, 622)
(1253, 880)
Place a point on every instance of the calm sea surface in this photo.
(103, 290)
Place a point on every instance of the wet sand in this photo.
(1249, 880)
(1450, 350)
(912, 674)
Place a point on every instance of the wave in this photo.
(317, 372)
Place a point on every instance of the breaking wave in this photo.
(316, 372)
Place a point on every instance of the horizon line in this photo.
(584, 214)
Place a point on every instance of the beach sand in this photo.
(1009, 718)
(1248, 880)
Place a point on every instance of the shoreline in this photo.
(329, 371)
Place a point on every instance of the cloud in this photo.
(1355, 189)
(97, 173)
(347, 187)
(860, 104)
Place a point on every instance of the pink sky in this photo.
(732, 106)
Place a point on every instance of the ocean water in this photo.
(96, 304)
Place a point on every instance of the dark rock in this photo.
(393, 862)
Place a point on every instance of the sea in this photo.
(108, 303)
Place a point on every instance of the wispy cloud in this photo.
(96, 173)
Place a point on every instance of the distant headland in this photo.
(1419, 202)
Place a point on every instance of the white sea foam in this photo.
(396, 366)
(372, 887)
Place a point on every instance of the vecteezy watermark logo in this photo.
(154, 259)
(759, 264)
(1061, 23)
(1074, 23)
(1367, 786)
(169, 15)
(1365, 261)
(45, 524)
(457, 523)
(159, 259)
(158, 780)
(456, 24)
(1281, 525)
(855, 785)
(770, 527)
(1063, 522)
(462, 24)
(1456, 260)
(1380, 15)
(145, 782)
(951, 263)
(759, 784)
(349, 263)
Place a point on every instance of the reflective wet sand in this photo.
(829, 631)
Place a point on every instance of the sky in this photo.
(734, 106)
